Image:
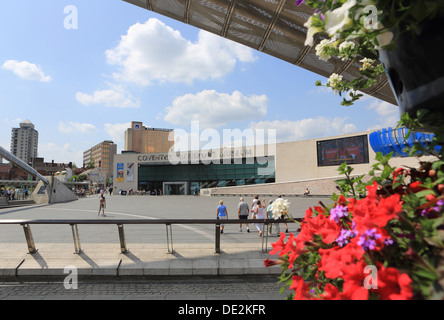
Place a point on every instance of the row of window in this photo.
(213, 172)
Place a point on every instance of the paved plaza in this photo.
(148, 271)
(140, 207)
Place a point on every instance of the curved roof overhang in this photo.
(275, 27)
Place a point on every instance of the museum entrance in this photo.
(175, 188)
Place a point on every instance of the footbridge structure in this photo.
(48, 189)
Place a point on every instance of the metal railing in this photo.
(32, 249)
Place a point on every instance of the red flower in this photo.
(321, 225)
(293, 247)
(269, 263)
(353, 287)
(335, 260)
(301, 288)
(416, 186)
(279, 245)
(392, 285)
(341, 201)
(387, 209)
(331, 292)
(375, 211)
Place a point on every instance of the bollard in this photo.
(169, 235)
(75, 235)
(123, 248)
(217, 239)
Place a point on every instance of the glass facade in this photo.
(207, 176)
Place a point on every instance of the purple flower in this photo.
(345, 237)
(299, 2)
(338, 212)
(368, 240)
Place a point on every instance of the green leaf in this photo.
(426, 274)
(423, 193)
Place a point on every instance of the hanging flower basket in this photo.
(382, 239)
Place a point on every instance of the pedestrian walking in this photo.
(259, 214)
(222, 214)
(253, 205)
(242, 213)
(102, 205)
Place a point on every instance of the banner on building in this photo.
(130, 172)
(119, 172)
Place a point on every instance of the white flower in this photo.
(334, 80)
(346, 45)
(338, 19)
(311, 31)
(280, 207)
(321, 49)
(345, 50)
(366, 63)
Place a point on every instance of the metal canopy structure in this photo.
(275, 27)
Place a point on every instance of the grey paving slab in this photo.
(172, 289)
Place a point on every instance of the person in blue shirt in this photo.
(222, 214)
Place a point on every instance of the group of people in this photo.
(14, 194)
(257, 210)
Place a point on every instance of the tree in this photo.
(90, 164)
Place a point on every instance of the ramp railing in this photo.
(74, 224)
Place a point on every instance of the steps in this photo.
(4, 203)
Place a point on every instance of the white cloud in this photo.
(153, 51)
(310, 128)
(115, 96)
(76, 127)
(60, 154)
(26, 70)
(213, 109)
(387, 113)
(116, 131)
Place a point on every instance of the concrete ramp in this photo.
(54, 192)
(3, 202)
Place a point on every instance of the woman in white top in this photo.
(259, 214)
(253, 205)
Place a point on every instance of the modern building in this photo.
(270, 167)
(143, 139)
(102, 155)
(181, 172)
(24, 141)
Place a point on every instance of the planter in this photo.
(415, 70)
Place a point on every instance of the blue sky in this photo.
(123, 63)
